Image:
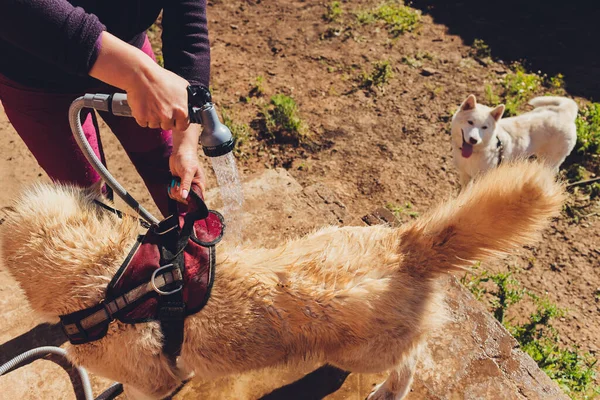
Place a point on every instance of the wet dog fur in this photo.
(360, 298)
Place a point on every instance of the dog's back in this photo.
(547, 132)
(557, 104)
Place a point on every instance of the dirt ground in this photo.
(391, 146)
(372, 148)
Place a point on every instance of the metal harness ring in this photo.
(156, 289)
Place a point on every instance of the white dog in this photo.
(481, 140)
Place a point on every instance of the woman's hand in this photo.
(157, 97)
(184, 163)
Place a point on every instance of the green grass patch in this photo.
(573, 370)
(334, 12)
(588, 130)
(394, 15)
(594, 191)
(519, 86)
(258, 89)
(576, 172)
(282, 122)
(399, 211)
(416, 61)
(481, 49)
(556, 83)
(379, 76)
(490, 96)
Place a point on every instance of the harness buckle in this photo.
(155, 287)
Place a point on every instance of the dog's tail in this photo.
(502, 210)
(560, 104)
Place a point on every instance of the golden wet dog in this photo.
(359, 298)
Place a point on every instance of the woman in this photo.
(53, 51)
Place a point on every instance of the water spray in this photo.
(216, 140)
(217, 144)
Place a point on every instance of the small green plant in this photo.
(481, 49)
(241, 132)
(557, 82)
(416, 61)
(518, 88)
(258, 89)
(411, 62)
(396, 17)
(304, 166)
(334, 12)
(506, 294)
(398, 211)
(434, 91)
(282, 122)
(588, 130)
(594, 191)
(491, 98)
(576, 172)
(573, 370)
(381, 74)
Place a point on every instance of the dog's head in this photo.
(473, 125)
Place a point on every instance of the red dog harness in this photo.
(167, 276)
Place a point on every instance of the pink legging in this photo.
(41, 120)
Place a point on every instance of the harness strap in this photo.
(171, 315)
(77, 325)
(500, 148)
(172, 308)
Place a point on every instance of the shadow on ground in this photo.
(548, 35)
(314, 386)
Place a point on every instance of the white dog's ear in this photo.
(497, 112)
(469, 103)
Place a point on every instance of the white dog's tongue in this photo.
(467, 149)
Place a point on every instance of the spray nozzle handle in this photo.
(120, 106)
(216, 138)
(198, 98)
(113, 103)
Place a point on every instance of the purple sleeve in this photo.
(52, 30)
(186, 49)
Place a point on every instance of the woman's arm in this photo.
(52, 30)
(157, 97)
(186, 47)
(186, 52)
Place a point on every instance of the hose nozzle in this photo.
(216, 138)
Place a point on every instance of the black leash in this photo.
(120, 213)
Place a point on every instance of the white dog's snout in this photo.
(472, 136)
